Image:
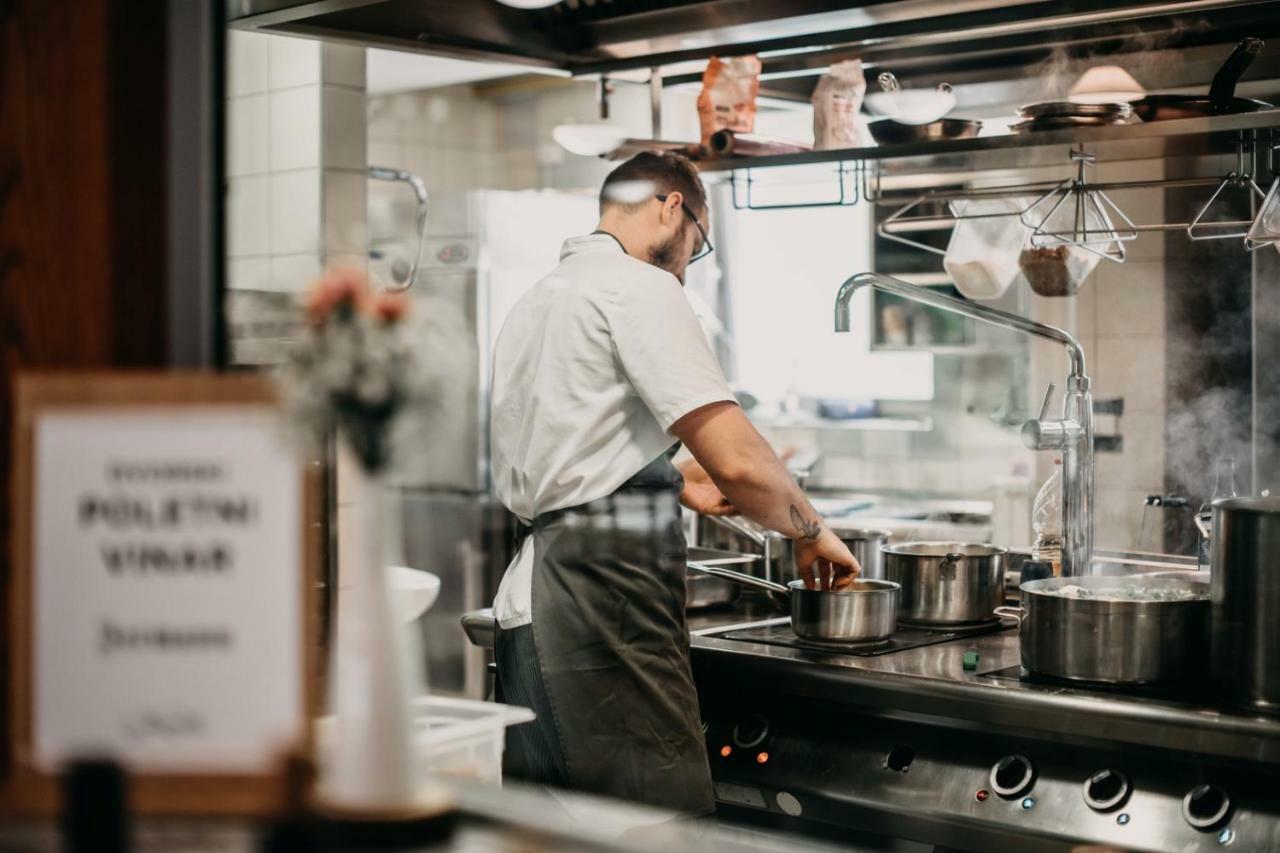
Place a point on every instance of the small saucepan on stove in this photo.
(864, 612)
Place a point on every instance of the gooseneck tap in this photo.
(1072, 434)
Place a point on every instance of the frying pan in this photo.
(887, 131)
(864, 612)
(1221, 98)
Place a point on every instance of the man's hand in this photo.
(701, 494)
(836, 566)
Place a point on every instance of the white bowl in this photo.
(589, 140)
(412, 591)
(911, 106)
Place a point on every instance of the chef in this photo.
(600, 370)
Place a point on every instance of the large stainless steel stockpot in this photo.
(946, 583)
(1114, 640)
(864, 612)
(1245, 569)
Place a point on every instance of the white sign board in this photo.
(167, 575)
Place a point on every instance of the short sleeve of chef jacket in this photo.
(662, 347)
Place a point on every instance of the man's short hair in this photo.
(653, 174)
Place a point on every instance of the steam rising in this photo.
(1138, 55)
(1217, 422)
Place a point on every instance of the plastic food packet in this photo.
(728, 98)
(982, 257)
(836, 102)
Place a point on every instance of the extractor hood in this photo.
(794, 37)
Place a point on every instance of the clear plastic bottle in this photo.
(1046, 520)
(1224, 486)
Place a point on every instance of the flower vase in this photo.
(373, 680)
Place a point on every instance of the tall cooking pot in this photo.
(1245, 583)
(1114, 629)
(946, 583)
(866, 547)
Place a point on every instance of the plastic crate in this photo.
(464, 737)
(453, 737)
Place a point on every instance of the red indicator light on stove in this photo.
(762, 757)
(726, 751)
(981, 796)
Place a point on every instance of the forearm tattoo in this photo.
(808, 529)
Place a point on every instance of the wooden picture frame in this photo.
(24, 789)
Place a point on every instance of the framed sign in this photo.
(163, 599)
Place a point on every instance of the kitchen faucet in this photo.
(1072, 434)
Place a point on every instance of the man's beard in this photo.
(663, 255)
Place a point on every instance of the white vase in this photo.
(372, 677)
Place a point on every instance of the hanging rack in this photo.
(849, 191)
(899, 223)
(1242, 178)
(1082, 202)
(892, 227)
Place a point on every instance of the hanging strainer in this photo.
(1075, 215)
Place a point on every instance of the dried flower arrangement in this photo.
(356, 370)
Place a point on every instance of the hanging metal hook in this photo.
(1241, 177)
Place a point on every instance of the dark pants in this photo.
(533, 750)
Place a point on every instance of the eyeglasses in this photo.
(705, 248)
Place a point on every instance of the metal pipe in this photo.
(1072, 434)
(384, 173)
(915, 224)
(655, 101)
(972, 310)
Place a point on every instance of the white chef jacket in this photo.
(592, 367)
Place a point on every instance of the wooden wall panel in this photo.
(82, 195)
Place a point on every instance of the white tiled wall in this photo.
(296, 173)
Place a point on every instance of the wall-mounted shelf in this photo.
(1174, 138)
(802, 420)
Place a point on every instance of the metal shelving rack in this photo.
(1176, 137)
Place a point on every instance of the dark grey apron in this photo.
(605, 664)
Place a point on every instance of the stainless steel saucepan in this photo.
(864, 612)
(947, 583)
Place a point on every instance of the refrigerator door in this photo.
(451, 525)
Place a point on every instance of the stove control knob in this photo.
(1106, 790)
(751, 732)
(1206, 806)
(1012, 776)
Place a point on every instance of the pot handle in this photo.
(1017, 614)
(947, 566)
(736, 525)
(739, 578)
(780, 594)
(1223, 87)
